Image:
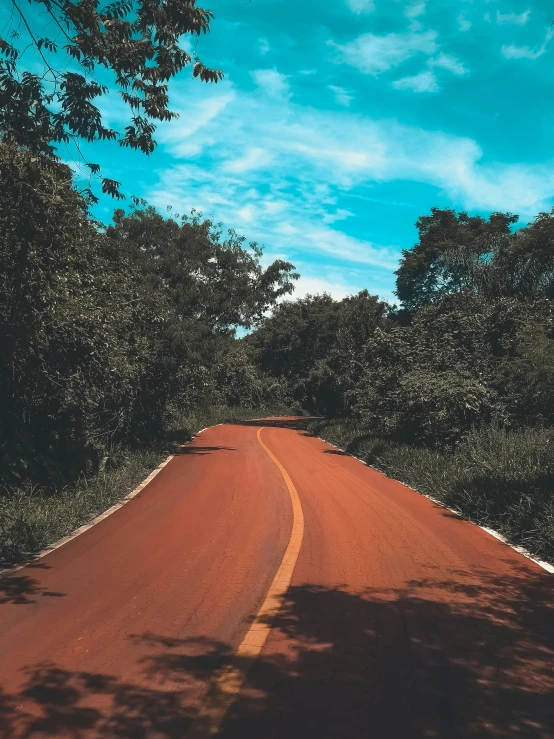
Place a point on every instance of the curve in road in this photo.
(401, 620)
(227, 683)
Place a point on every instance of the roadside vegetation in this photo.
(119, 340)
(114, 340)
(32, 517)
(452, 391)
(497, 478)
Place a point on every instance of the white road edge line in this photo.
(101, 516)
(520, 550)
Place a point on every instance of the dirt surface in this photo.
(401, 620)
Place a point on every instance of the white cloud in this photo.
(263, 46)
(463, 23)
(181, 137)
(516, 19)
(326, 150)
(299, 223)
(338, 283)
(361, 6)
(246, 214)
(253, 158)
(374, 54)
(415, 10)
(338, 244)
(342, 96)
(286, 228)
(272, 82)
(339, 215)
(446, 61)
(296, 202)
(526, 52)
(274, 206)
(423, 82)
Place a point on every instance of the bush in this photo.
(67, 307)
(108, 334)
(505, 479)
(31, 517)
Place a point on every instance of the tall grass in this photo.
(31, 518)
(496, 478)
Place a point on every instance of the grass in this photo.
(31, 519)
(497, 478)
(500, 479)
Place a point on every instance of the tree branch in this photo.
(31, 34)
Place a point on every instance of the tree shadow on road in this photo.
(200, 451)
(469, 657)
(435, 659)
(22, 590)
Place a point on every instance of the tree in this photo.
(428, 382)
(240, 383)
(315, 345)
(523, 265)
(69, 303)
(526, 375)
(450, 246)
(210, 283)
(139, 41)
(109, 335)
(293, 340)
(206, 274)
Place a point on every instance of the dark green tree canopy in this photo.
(472, 344)
(315, 344)
(108, 335)
(449, 243)
(201, 271)
(457, 253)
(524, 266)
(138, 41)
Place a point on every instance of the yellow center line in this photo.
(229, 680)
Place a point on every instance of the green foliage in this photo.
(68, 301)
(458, 253)
(201, 269)
(497, 478)
(31, 518)
(138, 41)
(427, 382)
(474, 341)
(206, 284)
(449, 244)
(108, 336)
(240, 383)
(527, 377)
(315, 344)
(453, 391)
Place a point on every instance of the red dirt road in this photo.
(401, 620)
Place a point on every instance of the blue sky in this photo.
(339, 123)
